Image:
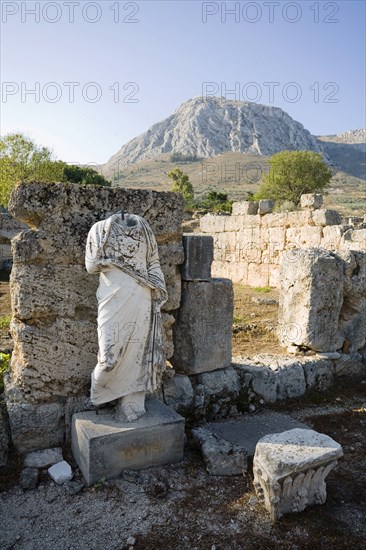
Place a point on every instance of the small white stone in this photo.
(60, 472)
(131, 541)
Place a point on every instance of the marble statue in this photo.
(131, 359)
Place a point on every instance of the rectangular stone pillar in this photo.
(198, 252)
(202, 331)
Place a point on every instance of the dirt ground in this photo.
(255, 321)
(195, 510)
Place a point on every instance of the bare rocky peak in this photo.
(208, 127)
(351, 136)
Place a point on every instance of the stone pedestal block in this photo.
(103, 447)
(203, 329)
(290, 470)
(311, 298)
(199, 252)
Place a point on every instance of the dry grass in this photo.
(254, 327)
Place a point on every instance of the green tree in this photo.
(181, 183)
(215, 201)
(23, 160)
(293, 173)
(83, 175)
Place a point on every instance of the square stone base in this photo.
(103, 447)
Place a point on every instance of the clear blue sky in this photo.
(167, 54)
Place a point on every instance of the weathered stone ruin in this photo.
(54, 304)
(318, 264)
(249, 244)
(9, 227)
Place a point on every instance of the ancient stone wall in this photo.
(248, 247)
(9, 227)
(54, 323)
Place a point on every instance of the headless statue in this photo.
(131, 359)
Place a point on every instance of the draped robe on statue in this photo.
(130, 294)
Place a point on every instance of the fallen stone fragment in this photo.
(221, 457)
(60, 472)
(290, 470)
(29, 478)
(43, 458)
(73, 487)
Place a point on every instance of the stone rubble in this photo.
(43, 458)
(60, 472)
(221, 457)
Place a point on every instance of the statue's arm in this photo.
(94, 261)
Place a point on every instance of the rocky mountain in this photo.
(351, 136)
(208, 127)
(347, 151)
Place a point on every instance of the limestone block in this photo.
(262, 379)
(9, 227)
(252, 221)
(225, 381)
(326, 217)
(213, 224)
(221, 457)
(225, 249)
(198, 251)
(293, 237)
(290, 379)
(299, 218)
(274, 275)
(244, 207)
(36, 426)
(60, 472)
(277, 238)
(238, 273)
(53, 205)
(103, 448)
(258, 274)
(220, 270)
(178, 393)
(354, 239)
(352, 322)
(310, 201)
(310, 236)
(278, 219)
(319, 374)
(50, 291)
(349, 366)
(311, 297)
(202, 331)
(290, 470)
(54, 359)
(43, 458)
(234, 223)
(332, 235)
(173, 287)
(168, 322)
(265, 206)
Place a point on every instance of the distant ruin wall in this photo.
(54, 324)
(248, 248)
